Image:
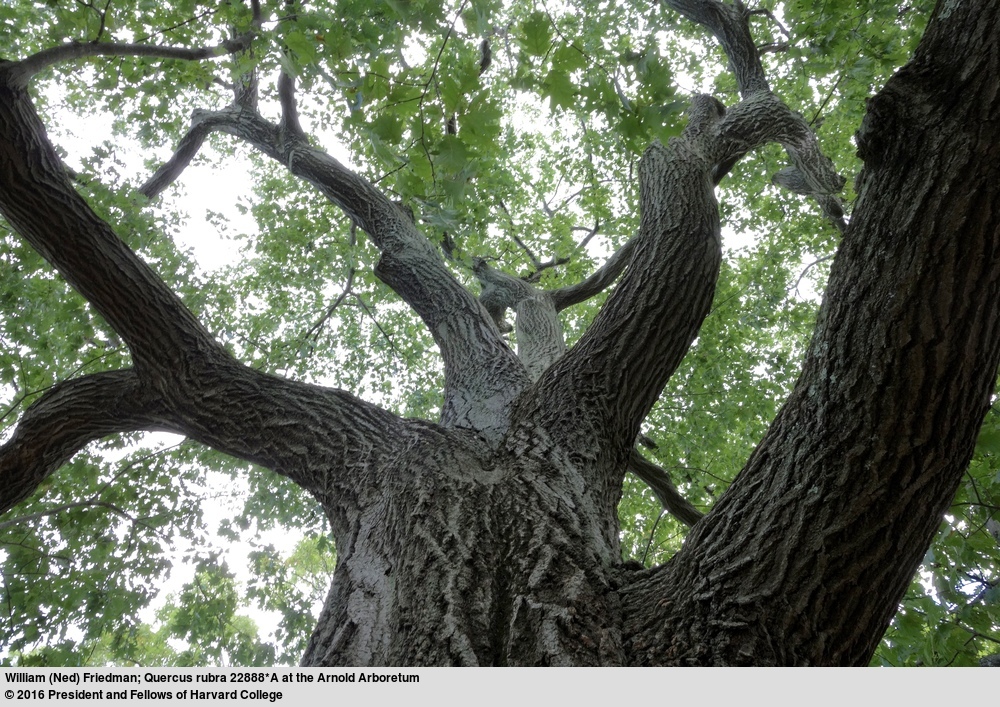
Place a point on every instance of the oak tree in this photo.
(498, 353)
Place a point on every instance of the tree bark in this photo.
(805, 558)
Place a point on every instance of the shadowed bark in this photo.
(806, 556)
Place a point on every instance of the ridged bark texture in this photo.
(804, 559)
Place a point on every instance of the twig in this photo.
(314, 330)
(810, 265)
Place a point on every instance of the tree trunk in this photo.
(805, 558)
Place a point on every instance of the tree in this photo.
(483, 527)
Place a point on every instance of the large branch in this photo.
(197, 389)
(804, 559)
(540, 343)
(811, 173)
(67, 418)
(645, 328)
(616, 371)
(479, 367)
(728, 23)
(38, 200)
(610, 380)
(326, 440)
(478, 364)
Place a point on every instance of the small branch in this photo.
(314, 330)
(777, 48)
(598, 282)
(547, 265)
(826, 100)
(22, 72)
(809, 266)
(659, 481)
(289, 124)
(68, 506)
(550, 211)
(183, 23)
(652, 535)
(555, 262)
(371, 315)
(168, 173)
(591, 232)
(770, 15)
(513, 234)
(444, 43)
(104, 21)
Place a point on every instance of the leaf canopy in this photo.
(513, 130)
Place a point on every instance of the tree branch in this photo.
(326, 440)
(65, 419)
(540, 339)
(871, 444)
(187, 379)
(289, 108)
(21, 72)
(91, 503)
(618, 368)
(39, 201)
(599, 281)
(616, 371)
(729, 25)
(659, 481)
(478, 364)
(171, 170)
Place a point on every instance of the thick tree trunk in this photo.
(805, 558)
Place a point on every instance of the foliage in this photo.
(515, 156)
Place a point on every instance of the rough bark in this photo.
(482, 376)
(491, 537)
(804, 559)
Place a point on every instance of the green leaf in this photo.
(536, 34)
(388, 127)
(568, 58)
(560, 90)
(303, 46)
(481, 122)
(452, 154)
